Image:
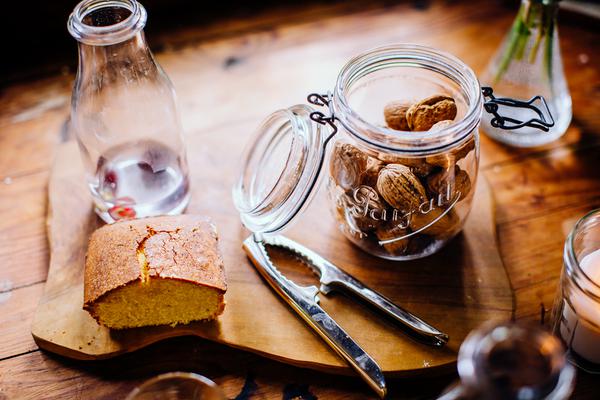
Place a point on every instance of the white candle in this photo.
(580, 323)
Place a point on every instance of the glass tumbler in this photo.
(177, 386)
(576, 312)
(124, 115)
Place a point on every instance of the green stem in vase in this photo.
(541, 29)
(525, 32)
(549, 42)
(533, 15)
(536, 45)
(509, 52)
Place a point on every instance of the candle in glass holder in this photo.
(577, 310)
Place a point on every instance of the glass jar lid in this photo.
(280, 169)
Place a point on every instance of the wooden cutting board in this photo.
(455, 290)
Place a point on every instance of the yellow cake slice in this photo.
(154, 271)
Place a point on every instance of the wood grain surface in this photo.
(232, 73)
(467, 276)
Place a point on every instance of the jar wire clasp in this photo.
(323, 100)
(492, 106)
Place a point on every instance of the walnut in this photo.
(438, 126)
(396, 247)
(372, 172)
(418, 165)
(464, 149)
(442, 226)
(347, 165)
(395, 115)
(455, 178)
(340, 202)
(462, 183)
(400, 187)
(365, 210)
(423, 115)
(391, 158)
(423, 170)
(444, 160)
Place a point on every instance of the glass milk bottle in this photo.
(576, 311)
(124, 114)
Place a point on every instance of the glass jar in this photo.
(395, 194)
(124, 114)
(576, 312)
(403, 194)
(510, 361)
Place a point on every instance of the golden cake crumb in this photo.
(154, 271)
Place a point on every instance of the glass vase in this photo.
(528, 63)
(124, 114)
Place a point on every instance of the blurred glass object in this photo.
(510, 361)
(177, 386)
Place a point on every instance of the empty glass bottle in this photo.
(124, 114)
(528, 63)
(510, 361)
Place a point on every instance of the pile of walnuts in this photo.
(433, 113)
(382, 197)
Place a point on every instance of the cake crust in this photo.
(183, 247)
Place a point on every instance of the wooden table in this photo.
(235, 71)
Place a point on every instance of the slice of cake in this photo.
(154, 271)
